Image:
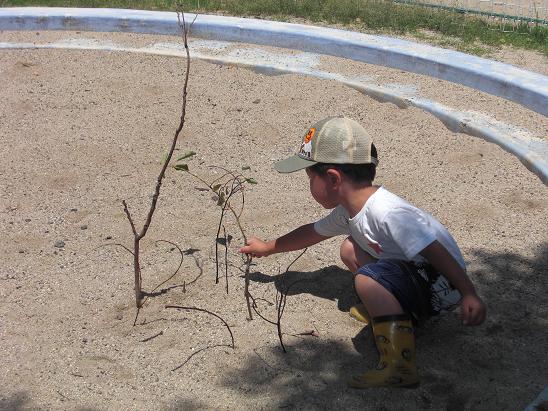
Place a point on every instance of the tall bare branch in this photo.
(138, 235)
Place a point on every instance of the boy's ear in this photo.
(334, 176)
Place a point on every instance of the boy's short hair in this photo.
(333, 140)
(357, 173)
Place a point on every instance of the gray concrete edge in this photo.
(523, 87)
(113, 20)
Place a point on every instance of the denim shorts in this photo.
(404, 282)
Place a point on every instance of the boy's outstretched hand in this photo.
(300, 238)
(257, 247)
(472, 309)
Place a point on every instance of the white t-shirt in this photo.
(388, 227)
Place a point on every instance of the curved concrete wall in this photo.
(523, 87)
(532, 152)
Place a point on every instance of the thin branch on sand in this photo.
(281, 301)
(232, 345)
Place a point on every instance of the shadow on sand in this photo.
(331, 283)
(460, 367)
(17, 401)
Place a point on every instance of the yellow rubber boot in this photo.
(358, 312)
(396, 344)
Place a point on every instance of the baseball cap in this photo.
(336, 140)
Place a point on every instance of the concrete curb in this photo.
(533, 153)
(503, 80)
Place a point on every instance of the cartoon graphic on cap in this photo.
(306, 146)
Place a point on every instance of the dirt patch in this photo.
(80, 131)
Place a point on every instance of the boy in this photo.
(407, 266)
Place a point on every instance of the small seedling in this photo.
(225, 189)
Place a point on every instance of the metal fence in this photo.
(527, 11)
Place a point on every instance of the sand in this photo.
(82, 131)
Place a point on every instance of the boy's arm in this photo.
(302, 237)
(472, 307)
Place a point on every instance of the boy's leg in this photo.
(353, 256)
(395, 340)
(377, 284)
(376, 298)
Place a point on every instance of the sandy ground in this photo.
(81, 131)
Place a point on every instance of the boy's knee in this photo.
(353, 256)
(347, 251)
(348, 254)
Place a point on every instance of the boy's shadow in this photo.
(332, 283)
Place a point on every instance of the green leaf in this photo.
(187, 155)
(164, 157)
(251, 180)
(181, 167)
(216, 187)
(246, 168)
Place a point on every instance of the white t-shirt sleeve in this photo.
(335, 223)
(410, 230)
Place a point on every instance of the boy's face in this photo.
(321, 188)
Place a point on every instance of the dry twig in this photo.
(281, 301)
(152, 337)
(138, 235)
(198, 352)
(114, 244)
(180, 307)
(227, 241)
(232, 345)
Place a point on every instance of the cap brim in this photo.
(291, 164)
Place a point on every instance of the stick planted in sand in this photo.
(138, 235)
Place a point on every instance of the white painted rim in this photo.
(521, 86)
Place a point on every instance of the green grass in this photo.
(455, 30)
